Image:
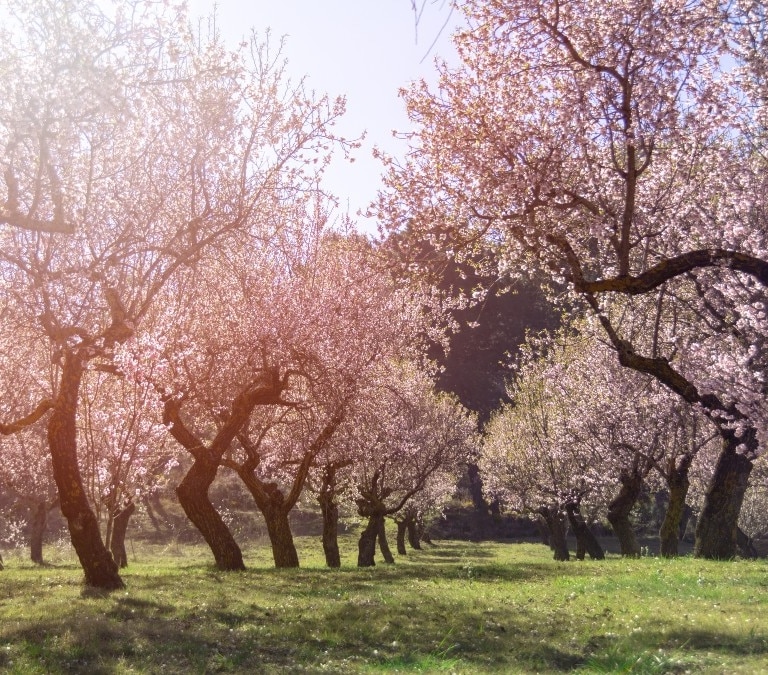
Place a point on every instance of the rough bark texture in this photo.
(717, 524)
(37, 531)
(280, 536)
(619, 510)
(330, 512)
(97, 563)
(193, 497)
(554, 520)
(386, 553)
(586, 542)
(366, 547)
(678, 483)
(120, 528)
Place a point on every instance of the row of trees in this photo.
(170, 279)
(618, 148)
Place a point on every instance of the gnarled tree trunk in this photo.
(678, 484)
(97, 563)
(619, 510)
(586, 542)
(280, 536)
(716, 528)
(193, 497)
(401, 530)
(415, 530)
(386, 553)
(554, 520)
(330, 512)
(366, 546)
(119, 530)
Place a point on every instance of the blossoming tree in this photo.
(618, 146)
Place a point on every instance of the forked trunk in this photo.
(669, 534)
(280, 537)
(586, 542)
(366, 547)
(330, 512)
(97, 563)
(193, 497)
(402, 526)
(718, 521)
(556, 526)
(619, 510)
(37, 531)
(119, 530)
(384, 545)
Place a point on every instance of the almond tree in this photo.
(130, 146)
(125, 451)
(617, 146)
(580, 425)
(401, 435)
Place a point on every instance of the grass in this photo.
(452, 608)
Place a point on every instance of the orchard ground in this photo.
(455, 607)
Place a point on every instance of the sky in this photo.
(362, 49)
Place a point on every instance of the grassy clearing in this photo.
(453, 608)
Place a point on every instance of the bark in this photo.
(678, 484)
(37, 531)
(193, 497)
(97, 563)
(120, 528)
(745, 546)
(280, 536)
(586, 542)
(619, 510)
(366, 547)
(717, 524)
(330, 512)
(383, 544)
(414, 533)
(402, 527)
(543, 530)
(554, 520)
(1, 563)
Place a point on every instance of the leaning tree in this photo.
(619, 147)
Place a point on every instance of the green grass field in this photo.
(453, 608)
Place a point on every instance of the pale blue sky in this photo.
(363, 49)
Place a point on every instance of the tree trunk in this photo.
(414, 535)
(37, 531)
(193, 497)
(97, 563)
(281, 537)
(717, 524)
(543, 528)
(120, 528)
(366, 547)
(745, 546)
(402, 527)
(554, 520)
(669, 534)
(384, 545)
(619, 510)
(586, 542)
(330, 511)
